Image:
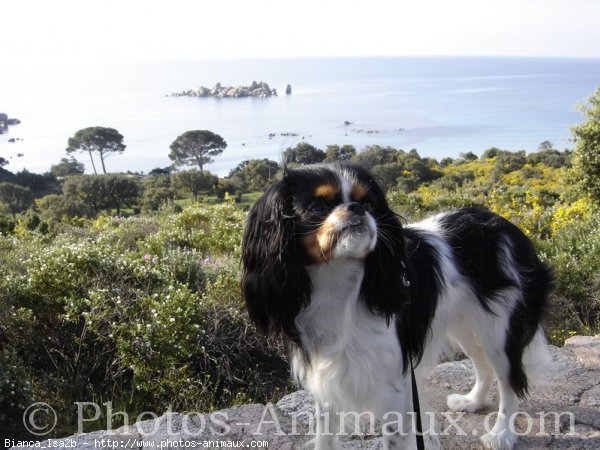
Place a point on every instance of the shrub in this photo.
(7, 226)
(575, 255)
(15, 388)
(212, 229)
(146, 312)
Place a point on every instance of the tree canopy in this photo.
(337, 153)
(120, 191)
(196, 147)
(195, 181)
(17, 198)
(303, 153)
(66, 167)
(255, 174)
(102, 191)
(101, 140)
(158, 190)
(587, 150)
(376, 155)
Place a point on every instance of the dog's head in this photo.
(316, 215)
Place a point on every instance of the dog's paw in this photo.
(457, 402)
(319, 443)
(504, 440)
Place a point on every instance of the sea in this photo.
(440, 106)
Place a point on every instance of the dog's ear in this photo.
(274, 281)
(385, 283)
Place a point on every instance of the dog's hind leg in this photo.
(490, 358)
(476, 398)
(501, 436)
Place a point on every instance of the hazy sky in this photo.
(132, 30)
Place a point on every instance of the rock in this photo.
(571, 390)
(5, 121)
(260, 89)
(586, 348)
(578, 341)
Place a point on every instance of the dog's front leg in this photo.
(397, 418)
(327, 427)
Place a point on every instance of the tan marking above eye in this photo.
(358, 192)
(327, 191)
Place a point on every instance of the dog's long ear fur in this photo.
(384, 285)
(274, 281)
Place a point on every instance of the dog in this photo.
(360, 297)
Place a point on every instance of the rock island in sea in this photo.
(256, 89)
(5, 121)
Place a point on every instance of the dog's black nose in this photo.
(356, 208)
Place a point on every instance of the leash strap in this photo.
(416, 408)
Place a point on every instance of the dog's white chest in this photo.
(352, 352)
(350, 373)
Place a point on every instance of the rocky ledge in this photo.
(256, 89)
(562, 413)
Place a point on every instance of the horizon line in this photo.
(71, 62)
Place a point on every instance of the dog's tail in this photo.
(537, 361)
(526, 346)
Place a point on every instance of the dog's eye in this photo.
(317, 207)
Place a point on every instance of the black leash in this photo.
(416, 408)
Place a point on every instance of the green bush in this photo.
(211, 229)
(145, 312)
(574, 253)
(7, 226)
(15, 388)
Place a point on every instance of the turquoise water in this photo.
(440, 106)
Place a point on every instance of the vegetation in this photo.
(337, 153)
(158, 191)
(16, 197)
(101, 140)
(587, 152)
(254, 174)
(195, 181)
(66, 167)
(144, 311)
(197, 147)
(100, 192)
(303, 153)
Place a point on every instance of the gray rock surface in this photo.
(571, 389)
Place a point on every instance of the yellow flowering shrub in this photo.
(524, 209)
(567, 214)
(537, 176)
(481, 168)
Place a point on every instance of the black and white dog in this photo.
(329, 265)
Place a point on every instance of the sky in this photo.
(104, 31)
